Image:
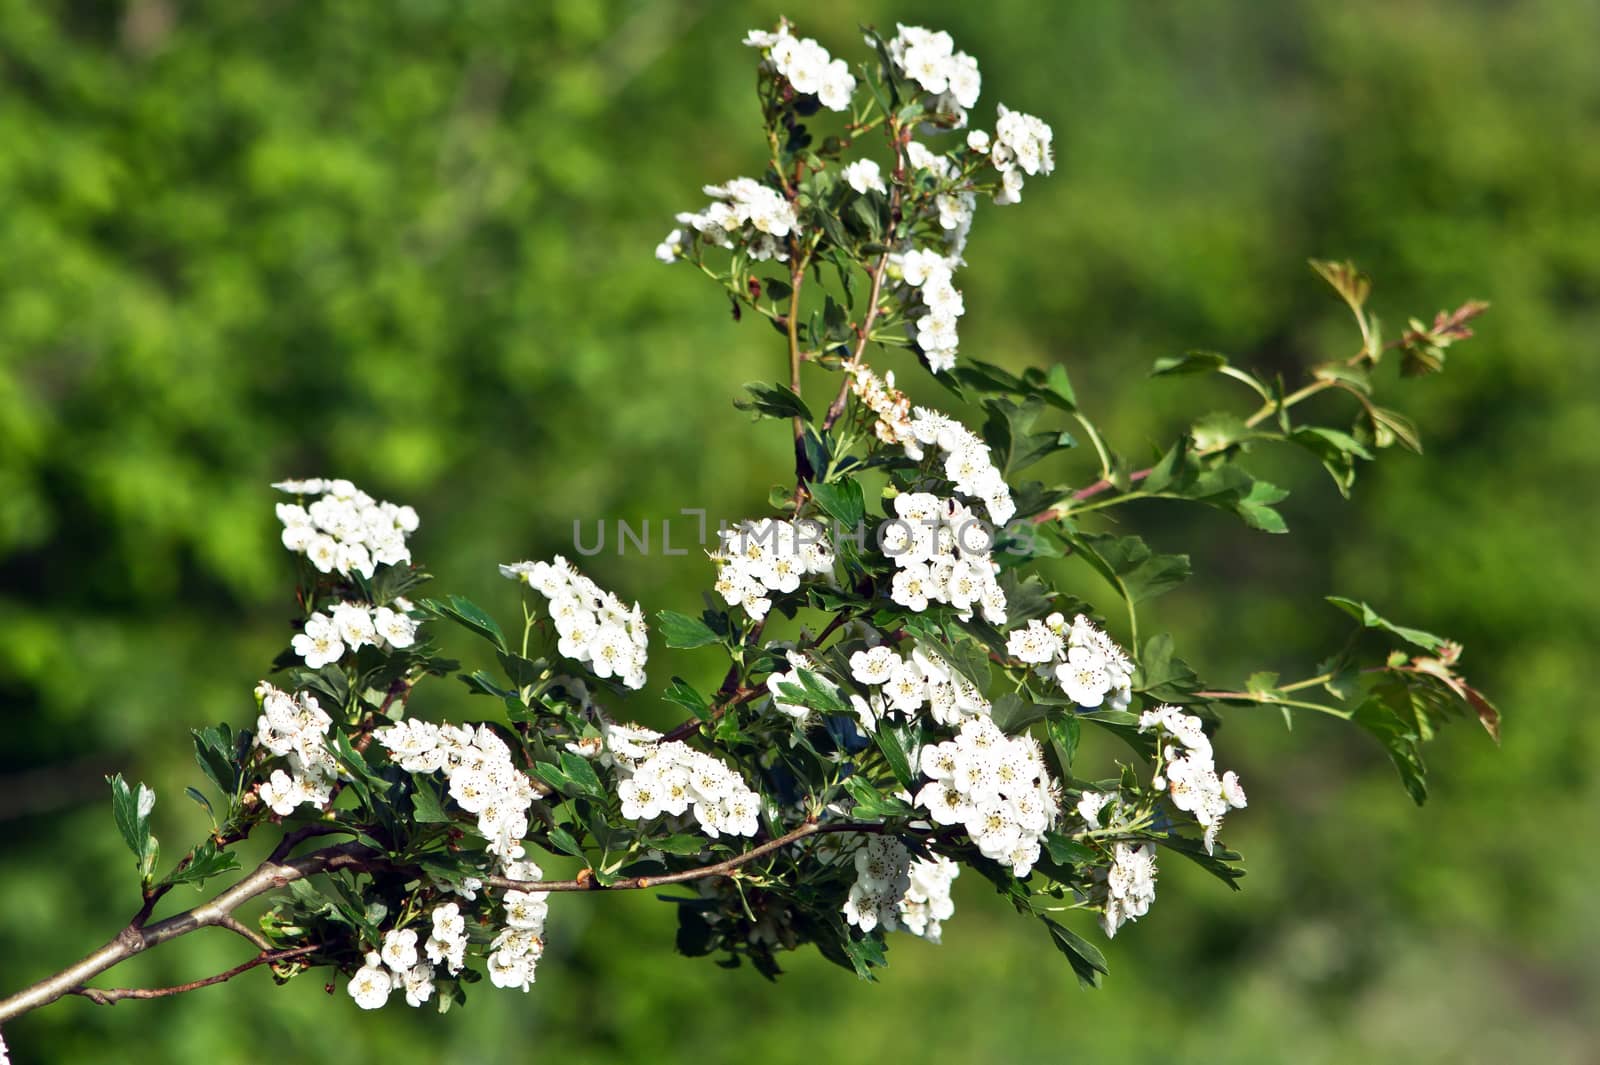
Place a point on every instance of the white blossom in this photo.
(863, 175)
(593, 625)
(345, 529)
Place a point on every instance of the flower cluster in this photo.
(743, 211)
(929, 58)
(594, 626)
(905, 685)
(676, 778)
(889, 404)
(769, 555)
(807, 66)
(1188, 773)
(294, 727)
(893, 892)
(1083, 660)
(932, 277)
(325, 637)
(1021, 146)
(516, 949)
(967, 462)
(345, 529)
(480, 775)
(398, 964)
(941, 550)
(1129, 885)
(997, 787)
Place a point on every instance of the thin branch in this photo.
(239, 928)
(134, 939)
(111, 996)
(836, 408)
(723, 868)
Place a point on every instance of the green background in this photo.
(409, 243)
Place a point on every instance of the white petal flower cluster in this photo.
(995, 786)
(294, 727)
(479, 773)
(1130, 885)
(743, 211)
(967, 462)
(345, 529)
(1088, 665)
(891, 406)
(1189, 774)
(926, 905)
(514, 954)
(624, 745)
(929, 58)
(864, 176)
(807, 66)
(932, 276)
(402, 963)
(677, 779)
(905, 685)
(325, 637)
(1021, 146)
(953, 206)
(769, 555)
(594, 626)
(895, 892)
(942, 551)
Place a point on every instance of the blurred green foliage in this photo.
(409, 244)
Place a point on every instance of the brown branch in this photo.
(864, 333)
(723, 868)
(135, 939)
(111, 996)
(239, 928)
(738, 697)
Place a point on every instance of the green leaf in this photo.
(680, 693)
(1373, 620)
(681, 843)
(889, 741)
(1129, 565)
(1064, 732)
(1190, 362)
(131, 810)
(467, 614)
(1255, 507)
(203, 802)
(426, 805)
(582, 773)
(1218, 863)
(773, 401)
(1338, 452)
(1161, 676)
(1011, 713)
(563, 841)
(681, 630)
(1064, 851)
(1084, 957)
(215, 751)
(842, 500)
(205, 862)
(870, 802)
(1399, 739)
(1218, 431)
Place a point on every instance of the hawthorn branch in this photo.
(111, 996)
(836, 408)
(136, 938)
(723, 868)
